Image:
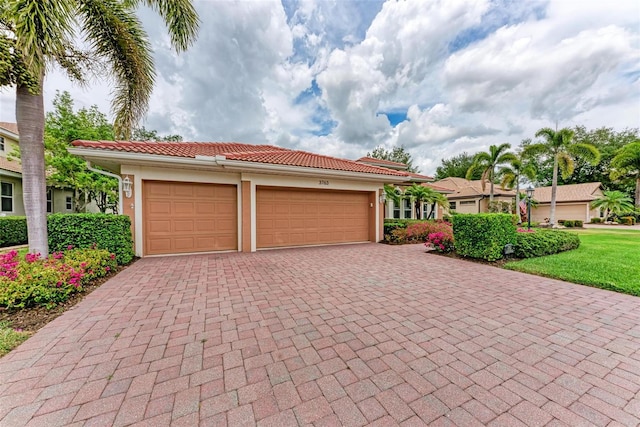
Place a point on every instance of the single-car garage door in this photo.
(189, 217)
(293, 217)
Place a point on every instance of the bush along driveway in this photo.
(354, 335)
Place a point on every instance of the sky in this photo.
(438, 77)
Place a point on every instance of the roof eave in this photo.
(219, 162)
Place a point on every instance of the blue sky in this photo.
(436, 76)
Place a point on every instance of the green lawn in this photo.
(10, 338)
(608, 259)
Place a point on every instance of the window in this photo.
(407, 208)
(468, 202)
(452, 206)
(6, 197)
(49, 200)
(1, 143)
(428, 211)
(396, 210)
(69, 203)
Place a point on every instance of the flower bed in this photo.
(30, 280)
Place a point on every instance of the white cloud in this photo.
(468, 73)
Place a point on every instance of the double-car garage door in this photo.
(194, 217)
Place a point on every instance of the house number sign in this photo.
(323, 182)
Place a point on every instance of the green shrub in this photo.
(104, 231)
(483, 235)
(29, 280)
(628, 220)
(568, 223)
(13, 231)
(596, 220)
(578, 223)
(544, 242)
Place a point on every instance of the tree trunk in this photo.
(30, 118)
(518, 200)
(491, 191)
(637, 200)
(554, 188)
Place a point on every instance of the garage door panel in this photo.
(189, 217)
(293, 217)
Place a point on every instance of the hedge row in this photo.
(105, 231)
(483, 236)
(13, 231)
(545, 242)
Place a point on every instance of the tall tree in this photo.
(64, 125)
(518, 168)
(559, 146)
(457, 166)
(487, 162)
(608, 141)
(397, 154)
(143, 134)
(626, 163)
(36, 34)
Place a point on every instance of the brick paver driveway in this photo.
(347, 335)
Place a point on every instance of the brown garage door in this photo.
(189, 217)
(291, 217)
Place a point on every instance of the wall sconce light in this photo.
(126, 186)
(382, 198)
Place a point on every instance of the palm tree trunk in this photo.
(518, 199)
(554, 188)
(637, 199)
(30, 118)
(491, 191)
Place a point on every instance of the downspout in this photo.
(112, 175)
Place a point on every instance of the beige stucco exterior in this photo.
(578, 210)
(246, 184)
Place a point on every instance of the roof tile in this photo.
(568, 193)
(267, 154)
(10, 165)
(11, 127)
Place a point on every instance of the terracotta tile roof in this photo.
(568, 193)
(464, 188)
(10, 165)
(381, 162)
(437, 187)
(11, 127)
(242, 152)
(417, 175)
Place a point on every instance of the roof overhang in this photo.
(4, 172)
(112, 160)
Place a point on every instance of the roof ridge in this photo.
(351, 161)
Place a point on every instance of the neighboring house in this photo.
(406, 209)
(572, 202)
(469, 197)
(11, 179)
(189, 197)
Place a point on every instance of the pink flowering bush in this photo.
(440, 241)
(419, 232)
(524, 230)
(32, 280)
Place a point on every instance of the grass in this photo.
(608, 259)
(10, 338)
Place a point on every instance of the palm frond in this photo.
(587, 152)
(180, 17)
(566, 165)
(535, 150)
(42, 29)
(117, 35)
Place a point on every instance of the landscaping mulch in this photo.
(32, 319)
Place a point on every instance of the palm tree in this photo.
(421, 194)
(512, 173)
(487, 163)
(627, 163)
(36, 34)
(559, 145)
(614, 202)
